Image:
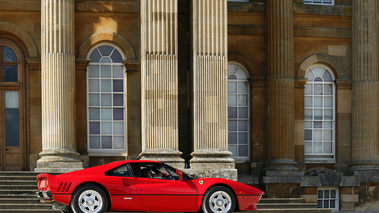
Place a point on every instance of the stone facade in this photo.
(177, 87)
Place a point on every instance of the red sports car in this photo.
(149, 186)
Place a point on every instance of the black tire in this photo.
(218, 199)
(89, 199)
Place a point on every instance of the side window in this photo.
(106, 101)
(319, 114)
(122, 171)
(238, 111)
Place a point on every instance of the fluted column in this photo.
(210, 121)
(280, 85)
(159, 74)
(58, 88)
(365, 144)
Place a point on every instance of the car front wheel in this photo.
(89, 199)
(218, 199)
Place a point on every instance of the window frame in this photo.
(336, 199)
(317, 156)
(312, 2)
(248, 119)
(102, 151)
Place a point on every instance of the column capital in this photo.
(34, 64)
(131, 65)
(81, 64)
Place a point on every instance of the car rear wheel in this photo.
(89, 199)
(218, 199)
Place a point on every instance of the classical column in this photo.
(365, 144)
(280, 85)
(58, 88)
(159, 81)
(210, 100)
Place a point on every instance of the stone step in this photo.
(18, 187)
(25, 200)
(281, 200)
(297, 210)
(30, 210)
(25, 177)
(25, 206)
(18, 182)
(286, 205)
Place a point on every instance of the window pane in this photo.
(12, 127)
(318, 114)
(118, 100)
(242, 151)
(94, 114)
(317, 135)
(106, 100)
(118, 85)
(94, 142)
(242, 138)
(326, 204)
(241, 75)
(327, 147)
(327, 135)
(93, 85)
(106, 142)
(105, 85)
(105, 50)
(94, 100)
(308, 147)
(328, 102)
(95, 56)
(232, 125)
(233, 149)
(9, 55)
(232, 87)
(242, 101)
(106, 114)
(333, 193)
(106, 128)
(328, 89)
(242, 87)
(232, 100)
(327, 124)
(308, 135)
(106, 71)
(326, 193)
(308, 90)
(118, 114)
(243, 112)
(119, 142)
(332, 204)
(308, 102)
(116, 56)
(318, 101)
(93, 71)
(94, 127)
(317, 124)
(320, 194)
(308, 124)
(309, 75)
(232, 112)
(118, 128)
(232, 138)
(318, 89)
(242, 125)
(308, 114)
(10, 73)
(318, 71)
(318, 147)
(105, 60)
(118, 71)
(328, 114)
(327, 77)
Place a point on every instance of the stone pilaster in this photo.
(365, 146)
(159, 81)
(58, 88)
(280, 85)
(210, 122)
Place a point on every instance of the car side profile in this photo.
(149, 186)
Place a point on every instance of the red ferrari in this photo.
(149, 186)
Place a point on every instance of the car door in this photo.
(120, 183)
(163, 193)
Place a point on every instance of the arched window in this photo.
(106, 101)
(238, 111)
(319, 114)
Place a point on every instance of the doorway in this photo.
(11, 108)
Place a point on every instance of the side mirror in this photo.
(180, 173)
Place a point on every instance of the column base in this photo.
(168, 156)
(62, 161)
(213, 163)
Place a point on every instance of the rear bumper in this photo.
(45, 196)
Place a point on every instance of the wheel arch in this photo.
(226, 186)
(96, 184)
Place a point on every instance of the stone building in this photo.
(279, 94)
